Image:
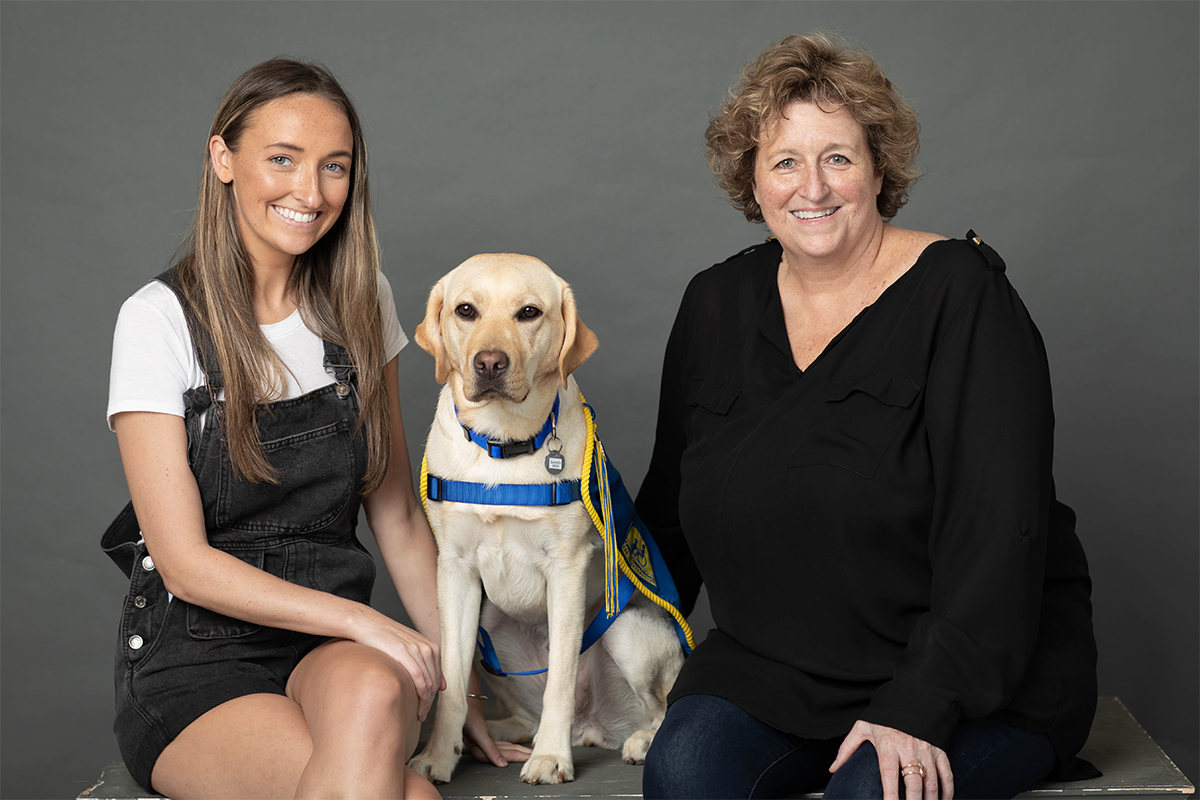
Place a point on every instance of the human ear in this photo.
(221, 157)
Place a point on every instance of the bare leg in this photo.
(252, 746)
(361, 710)
(345, 728)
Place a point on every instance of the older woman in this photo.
(854, 455)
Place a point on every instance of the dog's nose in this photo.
(491, 362)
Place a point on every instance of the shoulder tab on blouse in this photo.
(993, 258)
(770, 240)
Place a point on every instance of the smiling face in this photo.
(815, 180)
(290, 176)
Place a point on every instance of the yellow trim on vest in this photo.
(599, 523)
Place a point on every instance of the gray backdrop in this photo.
(1064, 133)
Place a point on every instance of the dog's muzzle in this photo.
(492, 375)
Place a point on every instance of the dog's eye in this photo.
(529, 312)
(465, 310)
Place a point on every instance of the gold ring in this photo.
(912, 769)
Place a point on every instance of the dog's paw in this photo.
(548, 769)
(436, 767)
(634, 751)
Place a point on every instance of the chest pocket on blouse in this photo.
(860, 418)
(708, 403)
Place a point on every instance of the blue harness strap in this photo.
(503, 494)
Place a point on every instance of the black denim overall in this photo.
(175, 660)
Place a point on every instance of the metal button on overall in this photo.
(148, 563)
(135, 642)
(139, 601)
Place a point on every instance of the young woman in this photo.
(254, 397)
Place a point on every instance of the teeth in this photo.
(813, 214)
(295, 216)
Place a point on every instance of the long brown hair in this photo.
(336, 281)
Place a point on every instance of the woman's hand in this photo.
(897, 753)
(479, 741)
(419, 656)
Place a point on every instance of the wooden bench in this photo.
(1133, 765)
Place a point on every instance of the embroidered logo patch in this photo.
(637, 556)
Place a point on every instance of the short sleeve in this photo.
(394, 339)
(153, 362)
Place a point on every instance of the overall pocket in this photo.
(205, 625)
(862, 416)
(317, 477)
(343, 568)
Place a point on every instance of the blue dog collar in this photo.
(498, 449)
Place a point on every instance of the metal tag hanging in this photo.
(554, 458)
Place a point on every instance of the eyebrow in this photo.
(297, 149)
(778, 151)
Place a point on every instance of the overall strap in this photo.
(201, 398)
(205, 351)
(337, 363)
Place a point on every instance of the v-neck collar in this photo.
(773, 326)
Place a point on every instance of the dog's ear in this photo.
(578, 340)
(429, 332)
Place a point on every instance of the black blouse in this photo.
(878, 533)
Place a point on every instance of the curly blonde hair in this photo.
(816, 68)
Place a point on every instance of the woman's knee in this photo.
(708, 747)
(859, 777)
(676, 762)
(358, 683)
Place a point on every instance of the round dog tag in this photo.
(554, 458)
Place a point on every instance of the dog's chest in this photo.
(515, 558)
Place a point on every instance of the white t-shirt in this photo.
(154, 362)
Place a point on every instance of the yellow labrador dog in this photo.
(506, 336)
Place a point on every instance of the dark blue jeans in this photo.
(707, 747)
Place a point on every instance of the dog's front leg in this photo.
(459, 596)
(566, 598)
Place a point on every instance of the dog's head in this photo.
(498, 324)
